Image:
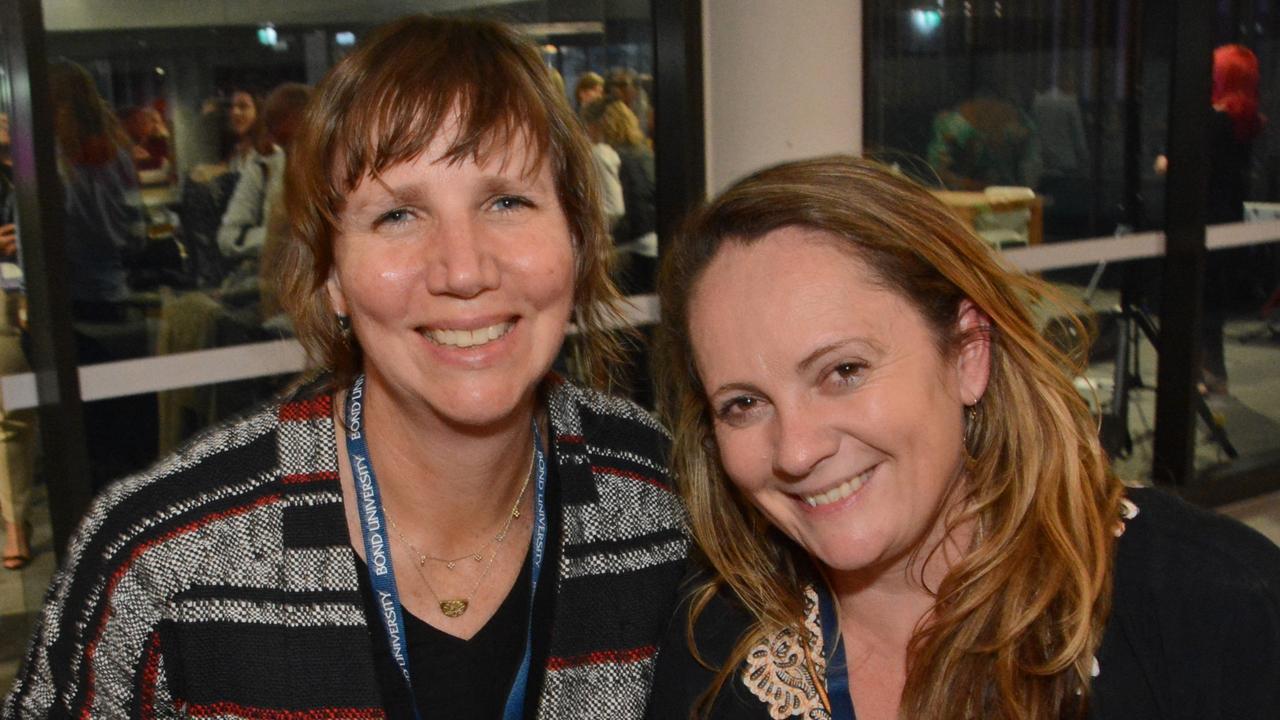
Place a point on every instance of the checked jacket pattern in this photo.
(221, 583)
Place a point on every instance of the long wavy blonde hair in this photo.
(1018, 617)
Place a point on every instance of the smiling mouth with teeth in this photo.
(468, 338)
(839, 492)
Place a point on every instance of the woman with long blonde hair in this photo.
(899, 495)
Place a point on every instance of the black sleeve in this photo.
(1223, 628)
(680, 680)
(1194, 630)
(1242, 677)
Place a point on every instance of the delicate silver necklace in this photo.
(455, 607)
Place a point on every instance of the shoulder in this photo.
(1172, 546)
(225, 476)
(605, 153)
(1195, 618)
(606, 420)
(622, 448)
(623, 544)
(275, 162)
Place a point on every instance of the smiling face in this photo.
(242, 114)
(458, 279)
(835, 412)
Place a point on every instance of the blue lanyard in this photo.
(382, 576)
(837, 667)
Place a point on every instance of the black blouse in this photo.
(455, 678)
(1194, 631)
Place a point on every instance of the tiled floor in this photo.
(21, 593)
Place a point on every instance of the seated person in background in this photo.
(246, 134)
(900, 497)
(985, 140)
(244, 226)
(150, 138)
(229, 134)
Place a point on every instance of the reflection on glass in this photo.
(1069, 101)
(26, 552)
(175, 186)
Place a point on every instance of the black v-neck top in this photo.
(456, 678)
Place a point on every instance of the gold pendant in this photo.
(453, 608)
(449, 565)
(477, 557)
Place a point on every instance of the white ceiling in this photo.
(77, 15)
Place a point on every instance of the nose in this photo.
(461, 262)
(802, 440)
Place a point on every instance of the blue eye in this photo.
(507, 203)
(392, 217)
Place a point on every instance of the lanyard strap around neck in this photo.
(837, 678)
(382, 574)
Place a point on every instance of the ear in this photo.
(337, 299)
(973, 359)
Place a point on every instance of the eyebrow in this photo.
(822, 350)
(406, 194)
(734, 387)
(506, 183)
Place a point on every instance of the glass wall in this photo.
(1045, 124)
(171, 189)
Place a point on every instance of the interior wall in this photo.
(783, 81)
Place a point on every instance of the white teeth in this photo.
(839, 492)
(469, 338)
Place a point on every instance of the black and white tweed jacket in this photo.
(222, 583)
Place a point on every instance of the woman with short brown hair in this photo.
(437, 524)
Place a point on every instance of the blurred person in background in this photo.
(624, 84)
(247, 135)
(590, 87)
(635, 233)
(984, 140)
(1230, 275)
(104, 220)
(8, 199)
(17, 435)
(146, 127)
(243, 229)
(608, 166)
(237, 129)
(1234, 124)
